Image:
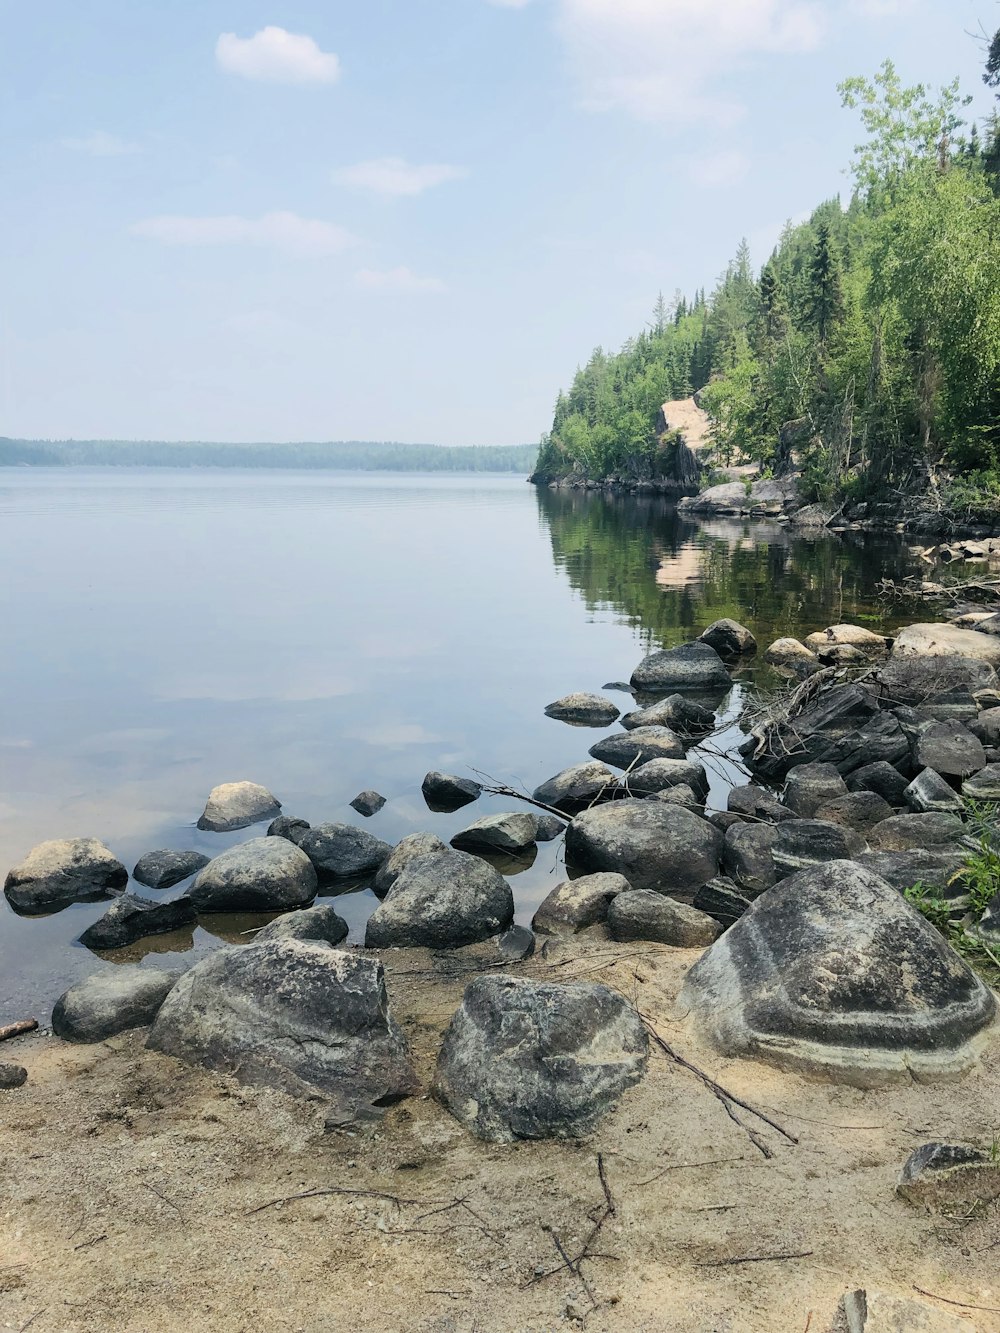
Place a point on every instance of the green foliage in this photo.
(875, 325)
(931, 903)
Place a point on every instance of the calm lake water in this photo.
(323, 633)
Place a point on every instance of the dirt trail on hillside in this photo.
(136, 1194)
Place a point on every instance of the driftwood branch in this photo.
(754, 1259)
(18, 1029)
(396, 1199)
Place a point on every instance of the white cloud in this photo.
(713, 170)
(663, 60)
(399, 279)
(102, 144)
(286, 232)
(394, 176)
(276, 56)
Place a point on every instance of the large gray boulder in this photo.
(748, 856)
(262, 875)
(578, 787)
(236, 805)
(880, 778)
(949, 749)
(163, 869)
(641, 914)
(800, 843)
(405, 851)
(729, 638)
(342, 851)
(692, 666)
(320, 923)
(533, 1060)
(653, 844)
(111, 1002)
(916, 681)
(685, 717)
(627, 748)
(131, 918)
(71, 870)
(445, 791)
(660, 774)
(293, 1015)
(929, 792)
(833, 971)
(506, 833)
(904, 833)
(946, 641)
(442, 901)
(584, 710)
(578, 903)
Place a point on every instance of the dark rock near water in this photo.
(164, 869)
(917, 681)
(660, 774)
(929, 791)
(949, 749)
(747, 856)
(654, 845)
(293, 1015)
(442, 901)
(639, 746)
(729, 638)
(860, 810)
(131, 918)
(641, 914)
(724, 819)
(686, 718)
(722, 901)
(309, 923)
(577, 904)
(57, 873)
(811, 785)
(368, 803)
(342, 851)
(549, 827)
(882, 779)
(832, 971)
(507, 833)
(532, 1060)
(262, 875)
(111, 1002)
(444, 791)
(293, 830)
(757, 803)
(800, 843)
(585, 710)
(904, 833)
(791, 658)
(577, 788)
(236, 805)
(516, 944)
(692, 666)
(682, 794)
(405, 851)
(843, 727)
(12, 1075)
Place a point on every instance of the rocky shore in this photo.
(787, 960)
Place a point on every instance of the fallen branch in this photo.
(572, 1263)
(32, 1319)
(338, 1189)
(964, 1305)
(494, 788)
(687, 1166)
(728, 1099)
(754, 1259)
(18, 1029)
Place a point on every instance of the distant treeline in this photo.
(348, 455)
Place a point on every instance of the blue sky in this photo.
(398, 219)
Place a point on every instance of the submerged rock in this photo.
(685, 717)
(164, 869)
(641, 914)
(111, 1002)
(578, 903)
(341, 851)
(236, 805)
(692, 666)
(60, 872)
(442, 901)
(405, 851)
(293, 1015)
(729, 638)
(309, 923)
(639, 746)
(588, 710)
(368, 803)
(576, 788)
(654, 845)
(132, 918)
(508, 833)
(262, 875)
(444, 791)
(532, 1060)
(832, 971)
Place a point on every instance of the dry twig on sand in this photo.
(18, 1029)
(572, 1264)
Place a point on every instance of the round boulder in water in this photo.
(262, 875)
(533, 1060)
(442, 901)
(235, 805)
(507, 833)
(71, 870)
(653, 844)
(729, 638)
(341, 851)
(692, 666)
(832, 971)
(640, 746)
(164, 869)
(584, 710)
(577, 787)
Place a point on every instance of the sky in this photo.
(399, 219)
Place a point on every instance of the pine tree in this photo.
(774, 309)
(825, 295)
